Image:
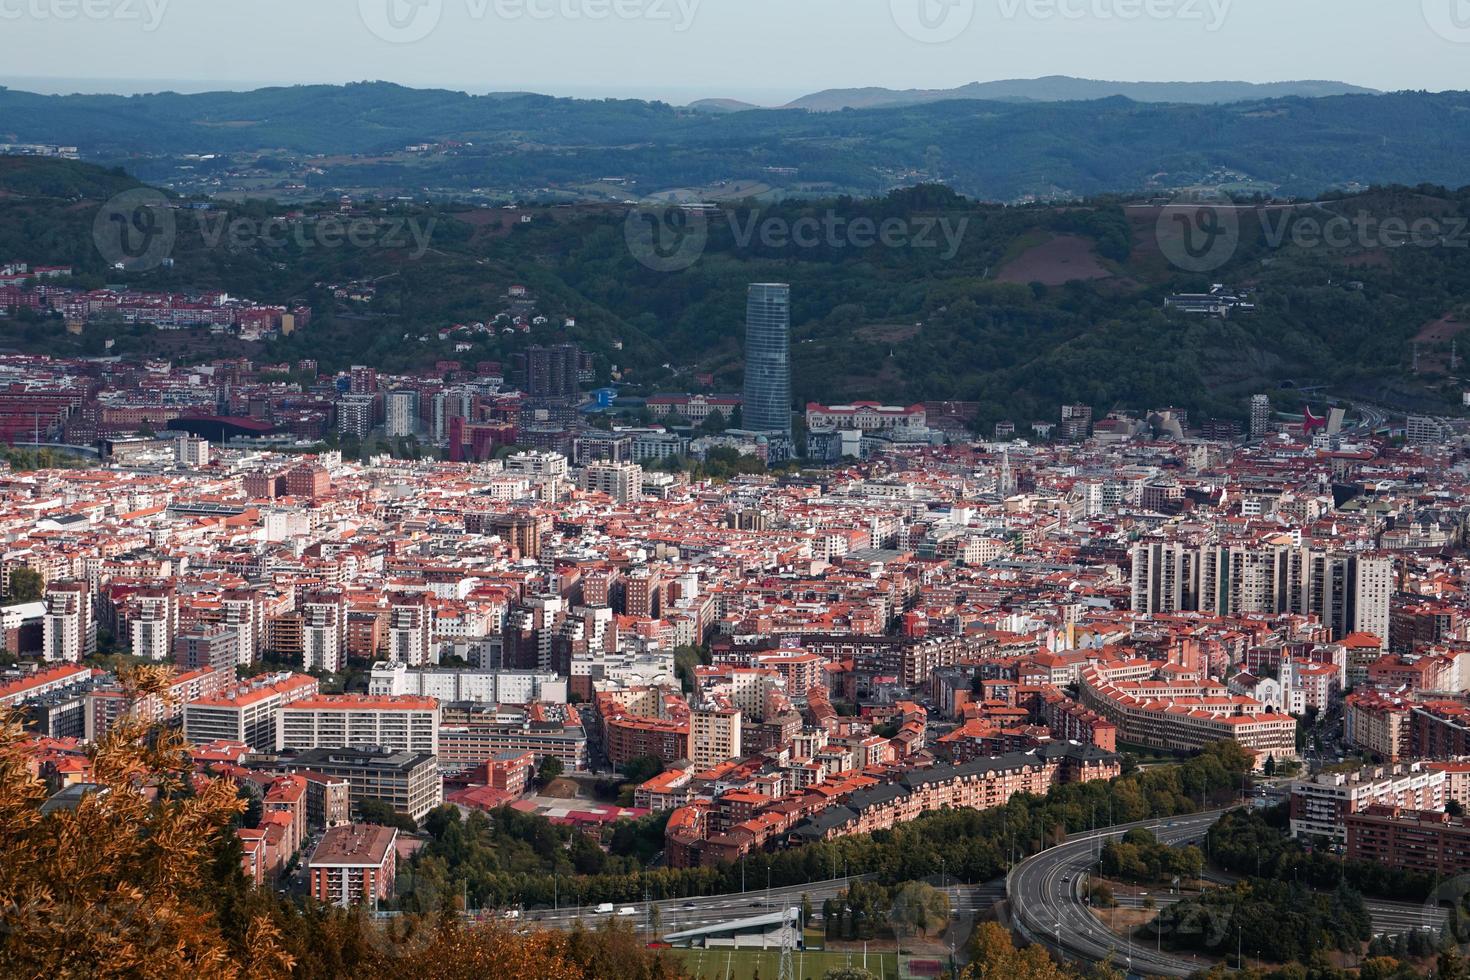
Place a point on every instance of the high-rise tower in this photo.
(767, 405)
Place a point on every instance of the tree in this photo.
(920, 908)
(113, 885)
(441, 818)
(26, 585)
(642, 769)
(993, 956)
(550, 770)
(383, 814)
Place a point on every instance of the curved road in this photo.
(1045, 892)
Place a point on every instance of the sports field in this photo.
(748, 964)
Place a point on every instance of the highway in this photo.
(1045, 893)
(678, 914)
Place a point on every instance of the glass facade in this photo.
(767, 405)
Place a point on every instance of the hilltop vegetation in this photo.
(1020, 309)
(522, 144)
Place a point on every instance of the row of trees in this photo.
(1139, 857)
(1273, 920)
(867, 910)
(1253, 843)
(142, 877)
(508, 858)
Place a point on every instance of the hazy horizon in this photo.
(682, 50)
(765, 97)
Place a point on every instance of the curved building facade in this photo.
(767, 405)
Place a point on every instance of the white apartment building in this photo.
(1320, 805)
(69, 632)
(355, 721)
(538, 465)
(323, 631)
(396, 679)
(249, 713)
(622, 482)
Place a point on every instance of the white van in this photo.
(606, 908)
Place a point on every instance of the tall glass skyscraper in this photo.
(767, 405)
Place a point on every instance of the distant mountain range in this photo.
(1063, 88)
(1047, 139)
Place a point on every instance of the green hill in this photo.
(352, 138)
(1025, 308)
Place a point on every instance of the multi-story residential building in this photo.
(409, 782)
(1430, 843)
(1321, 804)
(209, 646)
(355, 415)
(248, 713)
(1349, 592)
(623, 482)
(154, 622)
(323, 631)
(715, 735)
(1378, 723)
(1191, 714)
(409, 628)
(546, 731)
(70, 632)
(354, 865)
(406, 723)
(401, 410)
(394, 678)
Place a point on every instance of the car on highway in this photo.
(627, 910)
(606, 908)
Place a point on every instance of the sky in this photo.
(761, 51)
